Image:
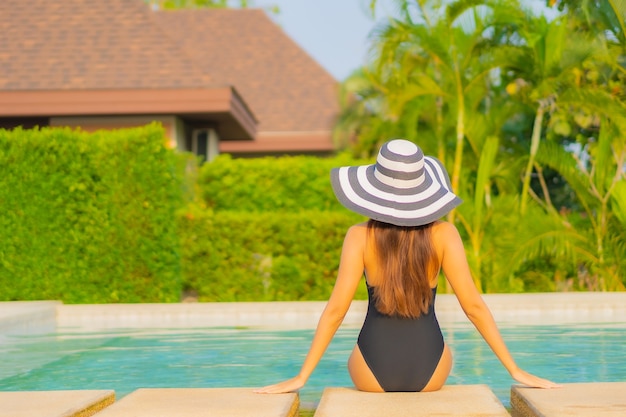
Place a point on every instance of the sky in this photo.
(335, 32)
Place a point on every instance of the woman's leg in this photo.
(441, 372)
(361, 374)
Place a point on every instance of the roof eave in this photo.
(276, 142)
(194, 102)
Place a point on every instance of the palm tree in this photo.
(436, 63)
(600, 187)
(475, 216)
(364, 122)
(192, 4)
(597, 15)
(582, 86)
(592, 242)
(543, 67)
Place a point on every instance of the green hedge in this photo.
(247, 256)
(89, 218)
(271, 184)
(271, 230)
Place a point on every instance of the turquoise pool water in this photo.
(228, 357)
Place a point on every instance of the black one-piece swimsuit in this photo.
(402, 353)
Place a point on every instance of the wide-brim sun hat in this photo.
(403, 187)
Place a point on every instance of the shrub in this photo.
(88, 218)
(270, 229)
(271, 184)
(248, 256)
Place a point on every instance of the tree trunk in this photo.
(534, 147)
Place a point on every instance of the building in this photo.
(219, 80)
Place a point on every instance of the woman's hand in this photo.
(532, 381)
(290, 385)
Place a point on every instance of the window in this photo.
(204, 143)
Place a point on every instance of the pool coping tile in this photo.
(451, 400)
(203, 402)
(62, 403)
(597, 399)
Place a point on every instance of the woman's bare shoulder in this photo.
(358, 230)
(444, 228)
(444, 234)
(360, 227)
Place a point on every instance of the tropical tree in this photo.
(597, 176)
(597, 15)
(433, 82)
(590, 243)
(435, 66)
(364, 123)
(198, 4)
(496, 91)
(543, 66)
(181, 4)
(475, 215)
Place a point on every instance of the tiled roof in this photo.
(87, 44)
(286, 88)
(77, 45)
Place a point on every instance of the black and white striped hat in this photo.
(403, 187)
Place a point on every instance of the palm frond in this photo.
(618, 200)
(540, 234)
(483, 177)
(563, 162)
(597, 101)
(603, 163)
(615, 18)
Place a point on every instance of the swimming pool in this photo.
(125, 360)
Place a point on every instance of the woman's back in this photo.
(373, 267)
(401, 352)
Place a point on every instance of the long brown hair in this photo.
(407, 260)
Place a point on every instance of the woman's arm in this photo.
(456, 269)
(348, 277)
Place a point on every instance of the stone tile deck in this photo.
(451, 401)
(81, 403)
(203, 402)
(597, 399)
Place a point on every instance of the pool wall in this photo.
(28, 317)
(508, 309)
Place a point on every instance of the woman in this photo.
(401, 250)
